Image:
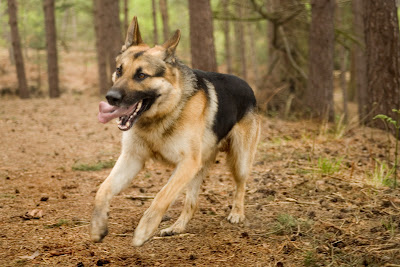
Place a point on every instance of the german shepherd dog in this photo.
(180, 116)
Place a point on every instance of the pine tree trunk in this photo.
(108, 39)
(99, 24)
(113, 33)
(360, 64)
(154, 13)
(165, 18)
(382, 57)
(253, 52)
(16, 44)
(343, 58)
(51, 46)
(201, 35)
(319, 95)
(126, 19)
(240, 44)
(227, 38)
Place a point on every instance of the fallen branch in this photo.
(139, 197)
(173, 236)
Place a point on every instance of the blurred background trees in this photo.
(325, 59)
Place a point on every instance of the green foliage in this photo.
(390, 121)
(7, 196)
(60, 222)
(94, 167)
(329, 166)
(382, 174)
(390, 225)
(64, 222)
(288, 224)
(310, 259)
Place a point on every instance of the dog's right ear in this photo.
(133, 36)
(171, 45)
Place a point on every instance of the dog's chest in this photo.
(169, 148)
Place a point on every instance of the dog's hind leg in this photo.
(192, 195)
(125, 169)
(243, 140)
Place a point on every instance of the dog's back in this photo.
(234, 96)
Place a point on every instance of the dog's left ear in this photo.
(133, 36)
(171, 45)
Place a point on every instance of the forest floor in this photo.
(317, 195)
(314, 197)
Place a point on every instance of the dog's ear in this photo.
(171, 45)
(133, 36)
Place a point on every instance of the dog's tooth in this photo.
(128, 123)
(139, 106)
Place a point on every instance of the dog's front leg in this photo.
(126, 168)
(184, 173)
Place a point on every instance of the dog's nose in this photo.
(114, 97)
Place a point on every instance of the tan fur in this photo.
(177, 129)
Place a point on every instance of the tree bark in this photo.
(51, 46)
(253, 52)
(343, 58)
(240, 44)
(360, 64)
(201, 35)
(126, 19)
(382, 57)
(113, 33)
(101, 48)
(319, 96)
(154, 13)
(165, 19)
(16, 44)
(108, 39)
(227, 38)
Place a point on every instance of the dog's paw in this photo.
(138, 241)
(171, 231)
(235, 218)
(98, 228)
(98, 235)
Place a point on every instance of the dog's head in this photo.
(145, 83)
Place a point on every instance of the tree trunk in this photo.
(113, 33)
(253, 52)
(382, 57)
(360, 63)
(165, 19)
(201, 35)
(51, 46)
(319, 96)
(226, 26)
(99, 26)
(16, 44)
(126, 19)
(240, 44)
(155, 30)
(343, 58)
(108, 39)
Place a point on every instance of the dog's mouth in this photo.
(127, 115)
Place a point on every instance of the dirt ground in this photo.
(297, 215)
(314, 197)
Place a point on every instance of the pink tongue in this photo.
(108, 112)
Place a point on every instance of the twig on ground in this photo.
(174, 236)
(139, 197)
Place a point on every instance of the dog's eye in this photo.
(141, 76)
(118, 71)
